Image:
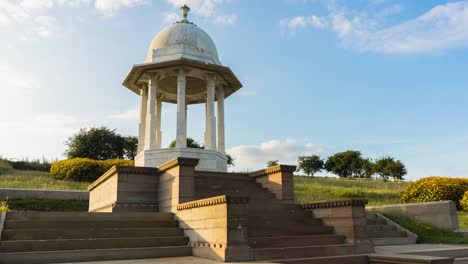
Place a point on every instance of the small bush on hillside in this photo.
(84, 169)
(34, 165)
(4, 206)
(464, 201)
(435, 189)
(5, 166)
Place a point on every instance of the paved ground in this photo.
(418, 248)
(457, 249)
(179, 260)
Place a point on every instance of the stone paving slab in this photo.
(178, 260)
(398, 249)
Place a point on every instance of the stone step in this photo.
(40, 257)
(345, 259)
(288, 230)
(302, 252)
(291, 241)
(393, 241)
(95, 243)
(77, 233)
(386, 234)
(374, 228)
(55, 216)
(57, 224)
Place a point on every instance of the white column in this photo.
(158, 122)
(186, 118)
(220, 97)
(150, 133)
(211, 124)
(181, 138)
(142, 121)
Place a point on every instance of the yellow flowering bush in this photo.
(464, 201)
(84, 169)
(435, 189)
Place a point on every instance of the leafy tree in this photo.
(367, 169)
(230, 160)
(272, 163)
(310, 164)
(191, 143)
(130, 147)
(388, 167)
(345, 164)
(100, 143)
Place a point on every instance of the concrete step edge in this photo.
(39, 257)
(305, 247)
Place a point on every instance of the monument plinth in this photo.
(182, 67)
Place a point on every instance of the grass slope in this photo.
(309, 189)
(428, 234)
(37, 180)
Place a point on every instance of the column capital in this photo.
(153, 75)
(210, 76)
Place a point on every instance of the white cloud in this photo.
(299, 22)
(131, 114)
(171, 17)
(209, 9)
(34, 16)
(443, 27)
(112, 7)
(253, 157)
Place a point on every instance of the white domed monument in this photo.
(184, 202)
(182, 67)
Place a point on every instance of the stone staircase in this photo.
(382, 231)
(279, 232)
(56, 237)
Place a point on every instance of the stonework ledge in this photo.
(273, 169)
(406, 259)
(121, 169)
(223, 199)
(335, 203)
(178, 162)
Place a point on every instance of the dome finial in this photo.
(185, 9)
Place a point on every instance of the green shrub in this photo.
(34, 165)
(464, 201)
(84, 169)
(5, 166)
(4, 206)
(435, 189)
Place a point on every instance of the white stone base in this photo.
(209, 160)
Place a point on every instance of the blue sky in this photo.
(385, 77)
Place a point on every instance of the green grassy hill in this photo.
(37, 180)
(309, 189)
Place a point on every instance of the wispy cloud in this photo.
(34, 19)
(251, 157)
(443, 27)
(207, 8)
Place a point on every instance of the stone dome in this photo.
(183, 40)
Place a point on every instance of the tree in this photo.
(100, 143)
(272, 163)
(130, 147)
(345, 164)
(310, 164)
(191, 143)
(388, 167)
(366, 169)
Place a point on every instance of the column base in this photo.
(209, 160)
